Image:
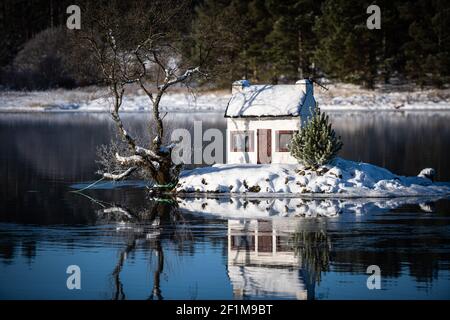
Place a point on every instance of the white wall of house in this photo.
(253, 124)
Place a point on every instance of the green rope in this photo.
(168, 186)
(92, 184)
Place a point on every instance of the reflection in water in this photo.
(132, 247)
(270, 240)
(282, 254)
(299, 207)
(179, 248)
(278, 257)
(146, 224)
(403, 142)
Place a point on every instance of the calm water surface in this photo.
(131, 246)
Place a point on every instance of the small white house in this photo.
(261, 120)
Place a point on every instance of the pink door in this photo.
(264, 145)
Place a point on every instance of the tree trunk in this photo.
(164, 176)
(300, 55)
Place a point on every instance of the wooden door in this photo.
(264, 145)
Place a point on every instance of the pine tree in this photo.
(427, 50)
(259, 24)
(291, 41)
(347, 50)
(316, 144)
(220, 35)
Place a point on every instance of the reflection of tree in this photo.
(7, 250)
(313, 248)
(119, 293)
(160, 217)
(156, 291)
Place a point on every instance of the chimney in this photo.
(309, 102)
(306, 85)
(239, 85)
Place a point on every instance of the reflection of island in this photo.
(266, 258)
(279, 247)
(266, 208)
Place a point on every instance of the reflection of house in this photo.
(261, 120)
(262, 261)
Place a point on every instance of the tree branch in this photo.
(120, 176)
(135, 159)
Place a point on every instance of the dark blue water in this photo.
(131, 246)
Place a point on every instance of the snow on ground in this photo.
(99, 101)
(342, 178)
(172, 102)
(351, 97)
(338, 97)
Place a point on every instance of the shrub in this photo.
(51, 59)
(316, 144)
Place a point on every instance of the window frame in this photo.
(251, 141)
(278, 133)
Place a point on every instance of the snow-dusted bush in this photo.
(52, 58)
(316, 144)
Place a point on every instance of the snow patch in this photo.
(342, 177)
(338, 97)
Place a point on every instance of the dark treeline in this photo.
(270, 40)
(261, 40)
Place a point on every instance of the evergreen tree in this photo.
(393, 34)
(271, 40)
(428, 49)
(316, 144)
(259, 25)
(292, 41)
(219, 31)
(347, 50)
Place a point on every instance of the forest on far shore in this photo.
(265, 41)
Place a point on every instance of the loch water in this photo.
(129, 245)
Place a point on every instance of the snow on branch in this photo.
(135, 159)
(146, 152)
(189, 72)
(169, 147)
(119, 176)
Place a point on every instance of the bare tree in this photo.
(139, 43)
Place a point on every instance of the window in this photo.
(283, 138)
(241, 141)
(243, 242)
(284, 244)
(265, 243)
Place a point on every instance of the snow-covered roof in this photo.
(267, 101)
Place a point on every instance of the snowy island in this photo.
(341, 178)
(278, 143)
